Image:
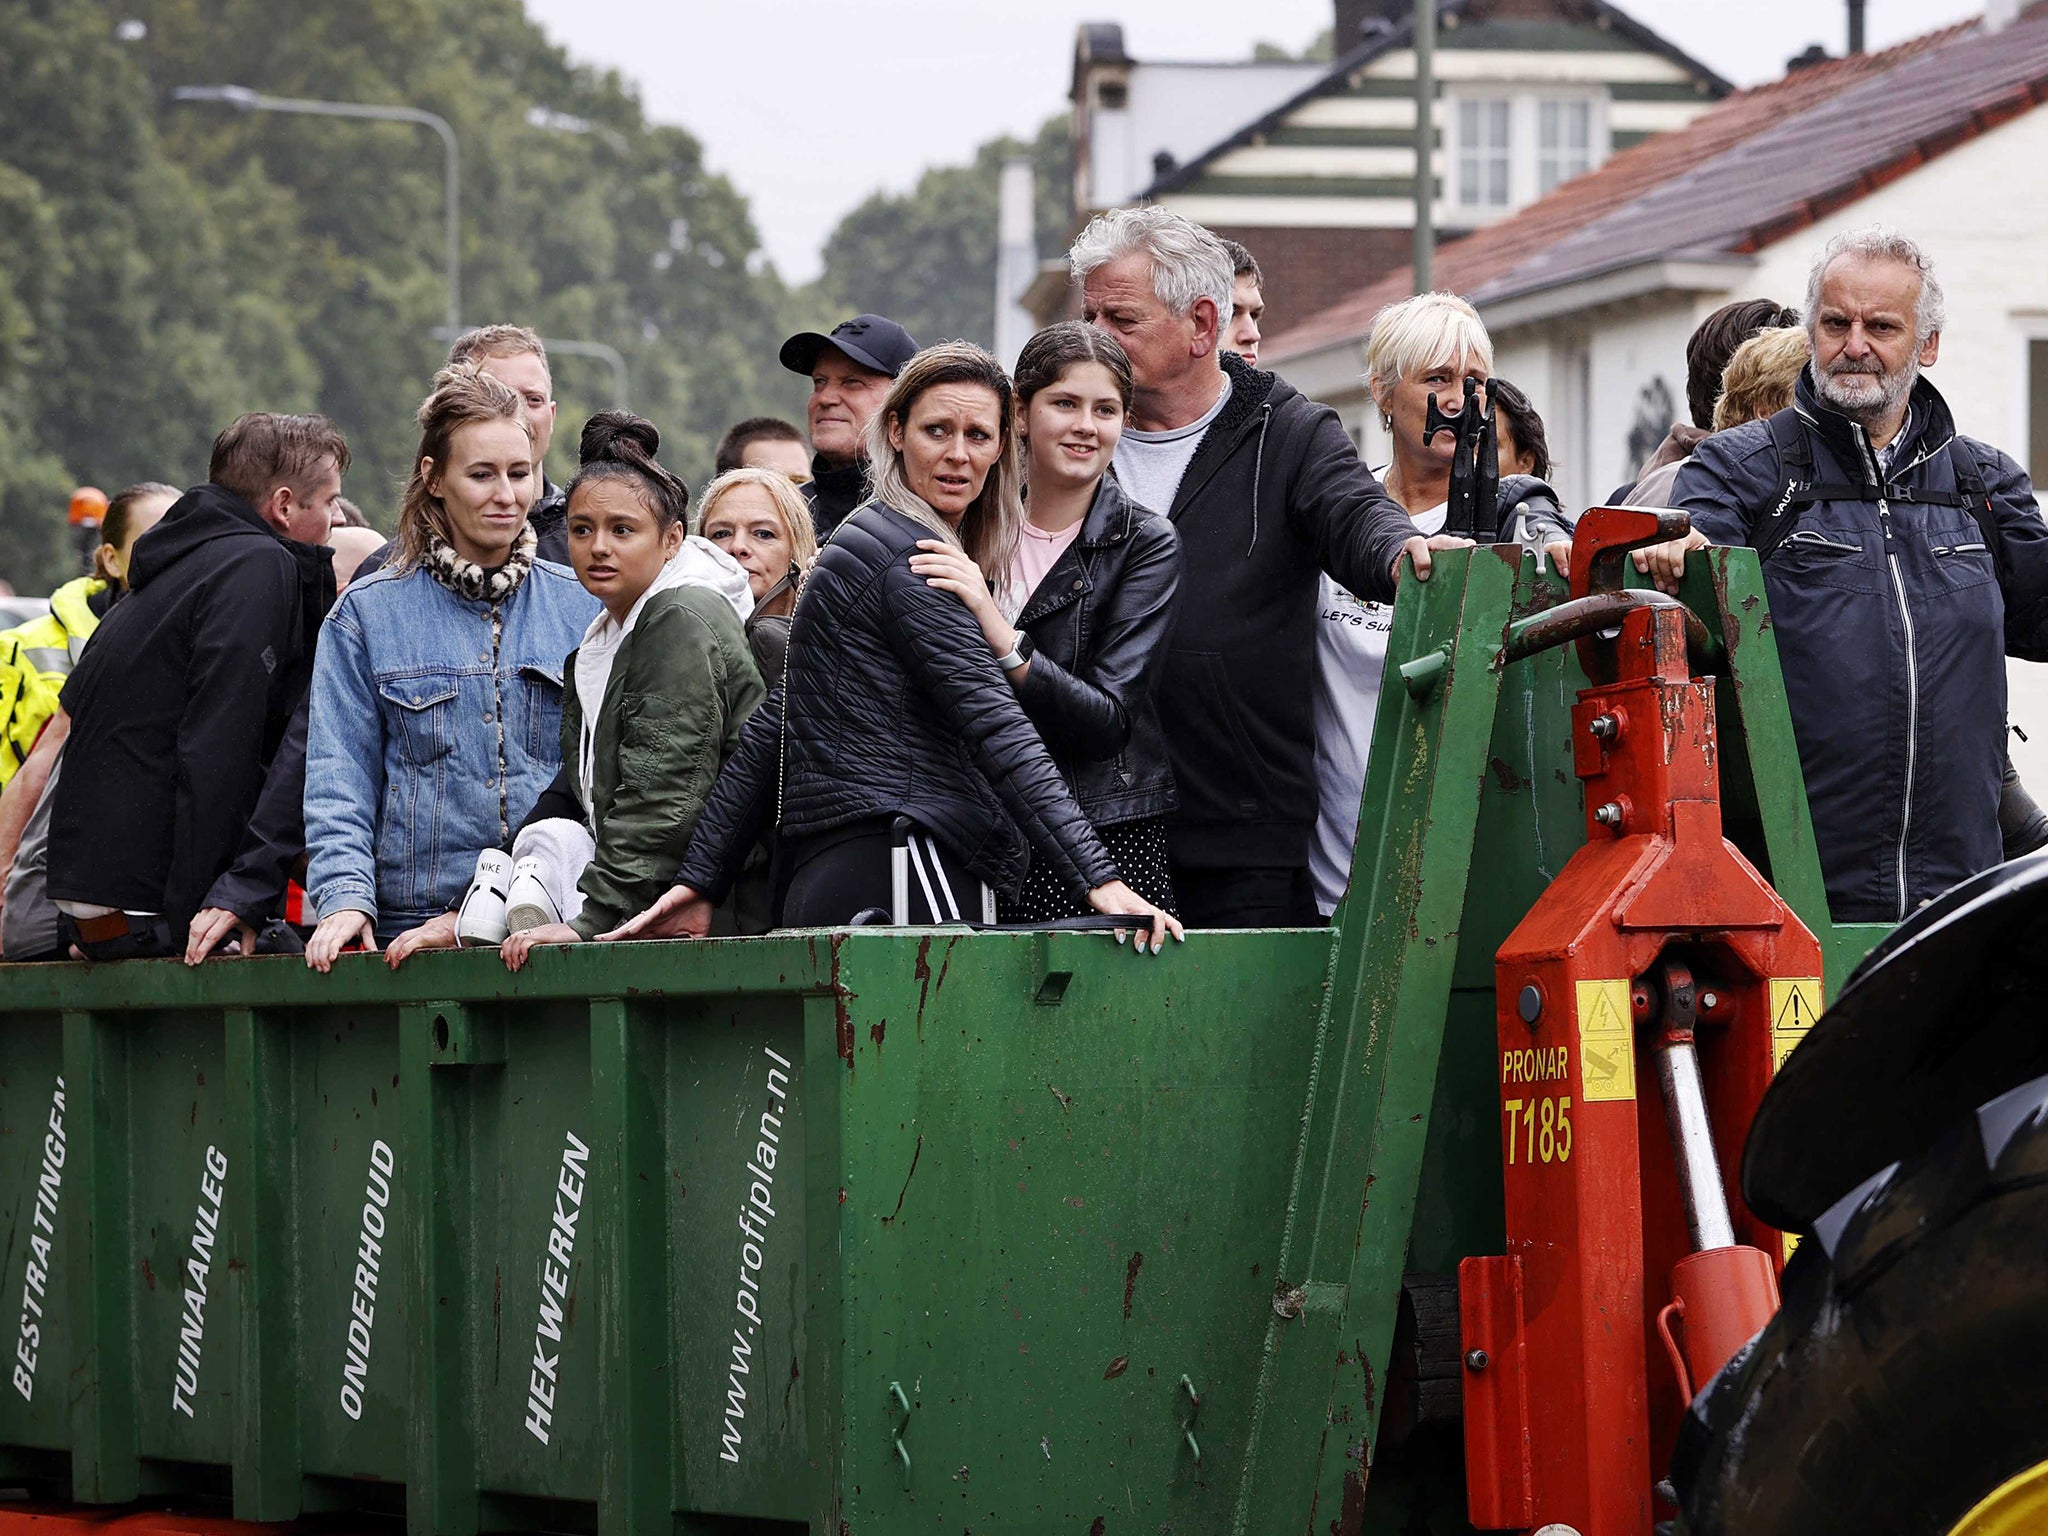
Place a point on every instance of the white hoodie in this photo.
(699, 563)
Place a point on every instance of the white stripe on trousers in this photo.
(931, 903)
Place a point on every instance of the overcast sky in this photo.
(810, 105)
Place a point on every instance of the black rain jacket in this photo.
(180, 702)
(1274, 495)
(895, 705)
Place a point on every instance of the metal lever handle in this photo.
(1589, 615)
(1606, 534)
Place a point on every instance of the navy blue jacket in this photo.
(1893, 631)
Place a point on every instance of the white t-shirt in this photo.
(1351, 656)
(1150, 464)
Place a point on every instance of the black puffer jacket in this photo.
(1099, 622)
(895, 706)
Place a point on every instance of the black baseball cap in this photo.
(873, 341)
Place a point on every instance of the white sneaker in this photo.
(481, 921)
(527, 903)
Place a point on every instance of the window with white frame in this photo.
(1511, 146)
(1483, 152)
(1564, 141)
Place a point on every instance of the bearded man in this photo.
(1903, 563)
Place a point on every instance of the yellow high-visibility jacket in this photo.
(35, 658)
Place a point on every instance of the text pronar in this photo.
(42, 1234)
(362, 1301)
(754, 1218)
(198, 1266)
(554, 1288)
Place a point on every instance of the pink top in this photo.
(1037, 554)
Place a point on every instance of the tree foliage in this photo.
(926, 258)
(164, 267)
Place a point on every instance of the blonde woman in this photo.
(1762, 375)
(1428, 345)
(758, 516)
(437, 691)
(896, 707)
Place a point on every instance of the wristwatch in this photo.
(1020, 653)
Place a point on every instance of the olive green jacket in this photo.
(682, 685)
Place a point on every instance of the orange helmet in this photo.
(88, 507)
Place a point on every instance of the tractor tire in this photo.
(1905, 1377)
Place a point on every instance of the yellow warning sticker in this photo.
(1607, 1043)
(1795, 1004)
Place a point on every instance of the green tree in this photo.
(164, 267)
(927, 258)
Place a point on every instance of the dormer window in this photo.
(1564, 141)
(1510, 146)
(1484, 144)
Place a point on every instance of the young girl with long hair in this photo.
(1082, 611)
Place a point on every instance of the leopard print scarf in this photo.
(465, 578)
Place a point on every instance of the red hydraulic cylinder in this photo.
(1636, 1010)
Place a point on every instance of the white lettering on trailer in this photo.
(42, 1234)
(198, 1266)
(754, 1218)
(554, 1288)
(362, 1302)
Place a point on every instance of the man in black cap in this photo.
(849, 372)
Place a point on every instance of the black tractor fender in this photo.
(1949, 1012)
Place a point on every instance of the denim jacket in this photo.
(403, 760)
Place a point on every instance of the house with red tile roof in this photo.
(1312, 165)
(1590, 293)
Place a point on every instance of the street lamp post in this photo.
(243, 99)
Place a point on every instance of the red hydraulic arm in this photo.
(1643, 1005)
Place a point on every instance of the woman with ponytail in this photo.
(437, 690)
(653, 704)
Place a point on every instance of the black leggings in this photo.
(845, 872)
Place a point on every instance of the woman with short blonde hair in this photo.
(1432, 331)
(1426, 346)
(760, 518)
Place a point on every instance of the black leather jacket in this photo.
(1099, 622)
(895, 706)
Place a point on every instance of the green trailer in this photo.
(857, 1231)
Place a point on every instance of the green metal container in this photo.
(866, 1231)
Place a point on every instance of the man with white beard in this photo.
(1903, 562)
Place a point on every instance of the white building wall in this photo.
(1183, 109)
